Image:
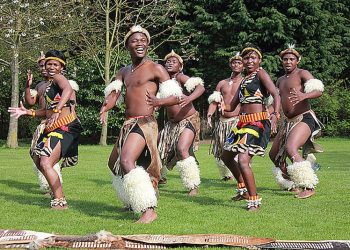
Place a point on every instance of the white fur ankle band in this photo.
(302, 174)
(282, 182)
(139, 190)
(189, 172)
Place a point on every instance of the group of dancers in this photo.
(248, 106)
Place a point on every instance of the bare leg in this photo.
(130, 152)
(228, 158)
(183, 150)
(46, 167)
(247, 173)
(296, 139)
(248, 176)
(185, 142)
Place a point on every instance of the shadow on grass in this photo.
(90, 208)
(24, 186)
(100, 182)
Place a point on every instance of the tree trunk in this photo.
(12, 141)
(103, 137)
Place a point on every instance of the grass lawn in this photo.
(93, 204)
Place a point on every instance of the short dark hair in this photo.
(56, 53)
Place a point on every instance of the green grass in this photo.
(93, 205)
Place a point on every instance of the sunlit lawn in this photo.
(93, 205)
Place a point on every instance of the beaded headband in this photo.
(236, 57)
(55, 58)
(291, 50)
(41, 57)
(253, 49)
(136, 29)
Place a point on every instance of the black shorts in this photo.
(145, 157)
(310, 121)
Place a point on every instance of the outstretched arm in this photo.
(21, 110)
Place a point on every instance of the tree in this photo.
(27, 27)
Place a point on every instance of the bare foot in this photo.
(253, 209)
(193, 192)
(305, 194)
(148, 216)
(295, 190)
(239, 197)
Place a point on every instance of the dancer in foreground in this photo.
(59, 137)
(296, 87)
(134, 160)
(252, 133)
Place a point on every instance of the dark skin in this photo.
(228, 88)
(181, 110)
(251, 62)
(45, 163)
(294, 102)
(40, 87)
(140, 78)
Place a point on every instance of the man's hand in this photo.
(29, 78)
(209, 121)
(184, 100)
(152, 100)
(17, 112)
(296, 96)
(52, 119)
(222, 107)
(273, 119)
(103, 115)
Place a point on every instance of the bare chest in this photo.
(289, 83)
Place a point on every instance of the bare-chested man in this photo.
(178, 140)
(296, 87)
(223, 95)
(135, 160)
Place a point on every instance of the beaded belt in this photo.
(254, 117)
(61, 122)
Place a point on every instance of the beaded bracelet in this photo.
(276, 114)
(33, 112)
(57, 111)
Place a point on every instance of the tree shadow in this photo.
(101, 182)
(24, 186)
(91, 208)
